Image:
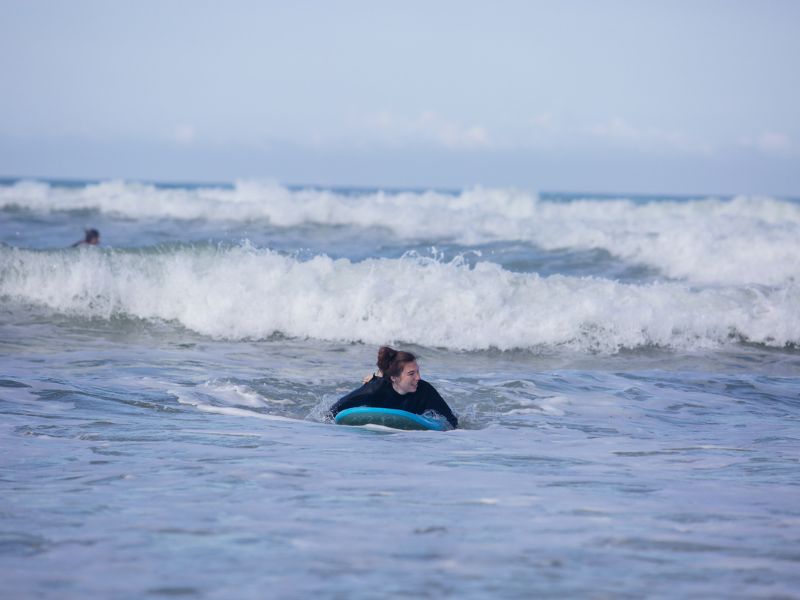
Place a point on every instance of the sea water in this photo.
(625, 371)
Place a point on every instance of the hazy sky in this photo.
(607, 96)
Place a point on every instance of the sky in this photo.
(678, 97)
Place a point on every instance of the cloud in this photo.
(545, 122)
(428, 128)
(770, 142)
(619, 131)
(184, 135)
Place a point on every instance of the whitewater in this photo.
(625, 370)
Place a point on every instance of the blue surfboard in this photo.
(388, 417)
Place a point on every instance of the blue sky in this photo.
(614, 96)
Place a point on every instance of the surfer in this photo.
(92, 238)
(397, 385)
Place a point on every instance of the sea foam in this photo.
(744, 240)
(249, 293)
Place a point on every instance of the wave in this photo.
(743, 240)
(248, 293)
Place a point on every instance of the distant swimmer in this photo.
(92, 238)
(397, 385)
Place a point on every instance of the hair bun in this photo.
(385, 357)
(391, 361)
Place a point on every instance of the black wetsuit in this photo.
(378, 392)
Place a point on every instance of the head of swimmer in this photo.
(92, 237)
(400, 368)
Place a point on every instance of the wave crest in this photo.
(249, 293)
(744, 240)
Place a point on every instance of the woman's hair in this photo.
(391, 361)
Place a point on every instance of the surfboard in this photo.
(388, 417)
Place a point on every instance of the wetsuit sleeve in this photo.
(437, 403)
(357, 397)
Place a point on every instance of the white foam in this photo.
(247, 293)
(234, 394)
(239, 412)
(743, 240)
(190, 398)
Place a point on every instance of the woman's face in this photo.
(408, 379)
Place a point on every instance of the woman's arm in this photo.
(357, 397)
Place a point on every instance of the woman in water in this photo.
(397, 385)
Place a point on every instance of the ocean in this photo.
(625, 369)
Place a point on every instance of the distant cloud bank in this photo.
(770, 142)
(426, 128)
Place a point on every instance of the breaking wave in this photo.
(248, 293)
(744, 240)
